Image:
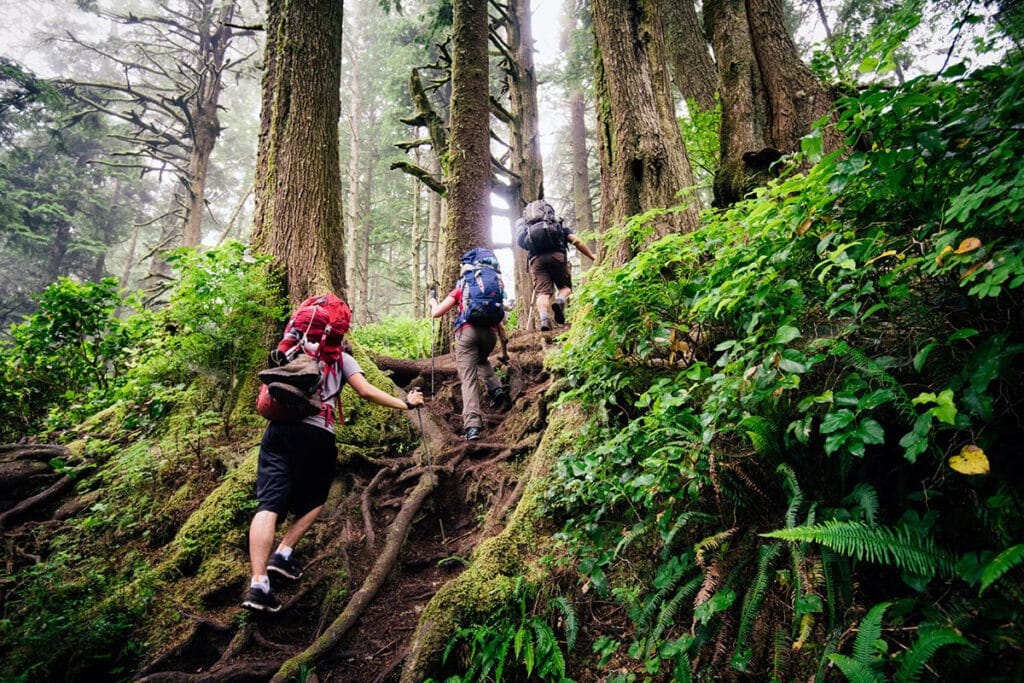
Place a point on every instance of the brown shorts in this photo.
(550, 272)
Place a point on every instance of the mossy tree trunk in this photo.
(298, 215)
(693, 68)
(644, 164)
(770, 98)
(469, 158)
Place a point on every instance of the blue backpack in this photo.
(483, 292)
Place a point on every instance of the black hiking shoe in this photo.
(289, 568)
(261, 601)
(295, 399)
(472, 433)
(303, 372)
(558, 310)
(499, 399)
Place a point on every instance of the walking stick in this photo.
(433, 295)
(430, 468)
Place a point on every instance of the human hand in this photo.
(415, 398)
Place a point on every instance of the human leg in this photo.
(543, 287)
(468, 369)
(261, 541)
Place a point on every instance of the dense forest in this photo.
(774, 440)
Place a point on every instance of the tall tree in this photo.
(770, 98)
(643, 158)
(298, 181)
(166, 74)
(469, 156)
(693, 68)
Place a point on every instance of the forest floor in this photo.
(476, 489)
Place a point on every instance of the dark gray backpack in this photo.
(538, 231)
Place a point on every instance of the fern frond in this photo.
(754, 597)
(780, 656)
(868, 633)
(899, 547)
(1000, 564)
(856, 672)
(796, 495)
(865, 497)
(913, 662)
(570, 623)
(874, 370)
(763, 435)
(711, 543)
(684, 520)
(668, 612)
(668, 578)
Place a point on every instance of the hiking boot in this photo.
(472, 433)
(499, 399)
(545, 325)
(558, 309)
(289, 568)
(295, 399)
(303, 372)
(261, 601)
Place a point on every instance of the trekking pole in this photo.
(430, 468)
(433, 295)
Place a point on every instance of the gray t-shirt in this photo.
(335, 377)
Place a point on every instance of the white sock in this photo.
(285, 552)
(262, 582)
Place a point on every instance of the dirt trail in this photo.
(476, 488)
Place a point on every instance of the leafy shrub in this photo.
(396, 337)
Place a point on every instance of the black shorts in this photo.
(296, 467)
(550, 272)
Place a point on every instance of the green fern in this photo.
(1000, 564)
(763, 435)
(856, 672)
(899, 547)
(754, 597)
(668, 613)
(684, 520)
(865, 497)
(874, 370)
(796, 495)
(868, 633)
(570, 622)
(913, 662)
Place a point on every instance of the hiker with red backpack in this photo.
(546, 240)
(298, 454)
(480, 297)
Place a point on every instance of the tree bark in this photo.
(643, 159)
(770, 99)
(298, 175)
(693, 69)
(469, 158)
(355, 268)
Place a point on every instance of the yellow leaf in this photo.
(803, 227)
(938, 259)
(969, 244)
(970, 460)
(890, 252)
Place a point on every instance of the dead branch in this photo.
(371, 538)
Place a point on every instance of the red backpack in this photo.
(316, 328)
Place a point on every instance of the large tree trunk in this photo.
(526, 162)
(469, 158)
(581, 168)
(298, 176)
(770, 98)
(418, 300)
(643, 159)
(693, 68)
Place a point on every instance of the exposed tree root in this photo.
(55, 490)
(374, 580)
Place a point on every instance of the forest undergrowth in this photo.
(799, 458)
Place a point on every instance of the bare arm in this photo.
(366, 390)
(582, 247)
(439, 309)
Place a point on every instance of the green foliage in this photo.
(396, 337)
(513, 637)
(849, 328)
(899, 547)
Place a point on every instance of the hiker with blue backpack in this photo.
(546, 240)
(479, 294)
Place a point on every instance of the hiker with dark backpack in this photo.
(480, 297)
(298, 455)
(546, 240)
